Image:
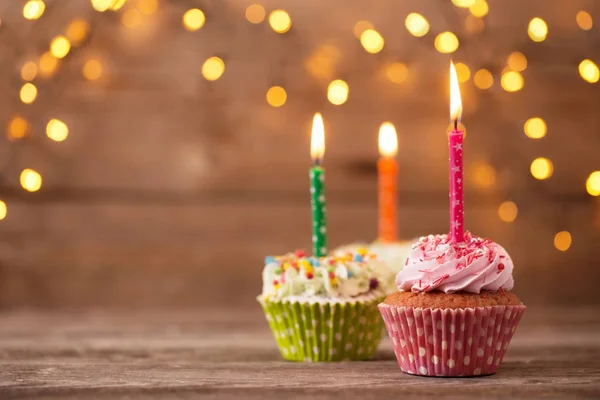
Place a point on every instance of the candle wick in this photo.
(456, 124)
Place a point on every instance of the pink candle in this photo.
(455, 145)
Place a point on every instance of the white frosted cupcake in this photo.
(393, 254)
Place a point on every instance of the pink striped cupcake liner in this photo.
(450, 342)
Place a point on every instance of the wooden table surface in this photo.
(230, 354)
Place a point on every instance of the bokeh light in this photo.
(30, 180)
(592, 184)
(473, 24)
(463, 3)
(562, 240)
(321, 63)
(147, 6)
(193, 19)
(462, 72)
(3, 210)
(337, 92)
(446, 42)
(589, 71)
(60, 46)
(537, 30)
(372, 41)
(535, 128)
(280, 21)
(57, 130)
(508, 211)
(517, 61)
(29, 71)
(101, 5)
(396, 72)
(541, 168)
(213, 68)
(33, 9)
(131, 18)
(92, 70)
(255, 13)
(77, 31)
(416, 24)
(18, 128)
(116, 5)
(584, 20)
(483, 175)
(276, 96)
(512, 81)
(479, 9)
(28, 93)
(48, 64)
(360, 27)
(483, 79)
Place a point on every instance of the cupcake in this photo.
(454, 314)
(325, 309)
(393, 254)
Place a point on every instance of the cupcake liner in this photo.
(334, 331)
(450, 342)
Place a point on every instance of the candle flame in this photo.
(388, 140)
(455, 101)
(317, 140)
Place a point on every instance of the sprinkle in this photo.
(331, 275)
(299, 253)
(269, 260)
(358, 258)
(362, 251)
(373, 283)
(500, 268)
(309, 275)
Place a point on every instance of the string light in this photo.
(30, 180)
(77, 31)
(483, 79)
(535, 128)
(474, 25)
(213, 68)
(592, 184)
(131, 18)
(92, 70)
(48, 64)
(479, 9)
(589, 71)
(29, 71)
(280, 21)
(101, 5)
(446, 42)
(33, 9)
(60, 46)
(28, 93)
(372, 41)
(147, 6)
(416, 24)
(396, 72)
(57, 130)
(562, 240)
(463, 72)
(541, 168)
(508, 211)
(193, 19)
(360, 27)
(255, 13)
(337, 92)
(537, 30)
(276, 96)
(584, 20)
(463, 3)
(511, 81)
(3, 210)
(18, 128)
(517, 61)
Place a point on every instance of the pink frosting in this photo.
(475, 265)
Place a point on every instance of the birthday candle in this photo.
(455, 147)
(387, 167)
(317, 187)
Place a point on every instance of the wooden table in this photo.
(230, 354)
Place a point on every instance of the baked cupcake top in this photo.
(352, 276)
(435, 264)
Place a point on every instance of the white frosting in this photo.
(392, 254)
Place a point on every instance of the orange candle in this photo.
(388, 187)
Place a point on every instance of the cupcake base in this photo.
(324, 331)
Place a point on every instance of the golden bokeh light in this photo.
(147, 6)
(537, 30)
(479, 9)
(29, 71)
(321, 63)
(360, 27)
(483, 175)
(57, 130)
(337, 92)
(213, 68)
(34, 9)
(3, 210)
(280, 21)
(18, 128)
(508, 211)
(592, 184)
(92, 70)
(77, 31)
(473, 24)
(193, 19)
(462, 72)
(396, 72)
(372, 41)
(535, 128)
(60, 46)
(30, 180)
(562, 240)
(48, 64)
(416, 24)
(28, 93)
(483, 79)
(541, 168)
(116, 5)
(463, 3)
(131, 18)
(511, 81)
(276, 96)
(584, 20)
(101, 5)
(255, 13)
(589, 71)
(517, 61)
(446, 42)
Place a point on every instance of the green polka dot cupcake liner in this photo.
(328, 331)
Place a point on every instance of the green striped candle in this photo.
(317, 188)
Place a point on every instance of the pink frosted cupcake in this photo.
(453, 314)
